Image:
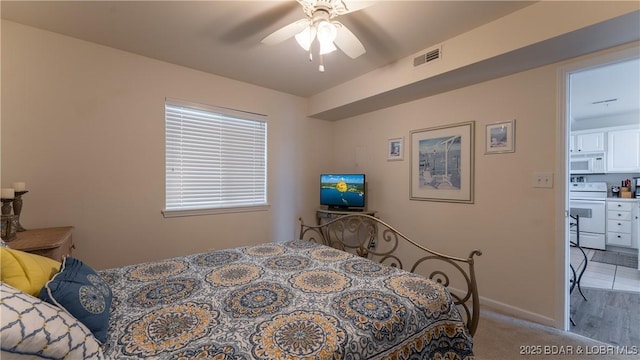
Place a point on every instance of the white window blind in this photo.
(215, 160)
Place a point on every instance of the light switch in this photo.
(542, 180)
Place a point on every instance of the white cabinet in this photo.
(623, 152)
(587, 142)
(622, 223)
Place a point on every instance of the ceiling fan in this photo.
(321, 26)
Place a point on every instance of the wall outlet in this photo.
(542, 180)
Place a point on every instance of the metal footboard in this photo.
(372, 238)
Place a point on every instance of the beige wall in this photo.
(515, 225)
(511, 222)
(83, 126)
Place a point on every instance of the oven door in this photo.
(592, 215)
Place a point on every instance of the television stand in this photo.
(330, 214)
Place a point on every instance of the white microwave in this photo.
(587, 163)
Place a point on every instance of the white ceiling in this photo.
(605, 90)
(223, 38)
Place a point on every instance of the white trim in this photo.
(510, 310)
(223, 210)
(562, 204)
(217, 109)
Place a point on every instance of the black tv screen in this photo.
(342, 191)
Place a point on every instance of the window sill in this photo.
(213, 211)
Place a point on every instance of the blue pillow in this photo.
(83, 293)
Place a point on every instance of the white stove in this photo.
(588, 190)
(588, 204)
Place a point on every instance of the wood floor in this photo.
(609, 316)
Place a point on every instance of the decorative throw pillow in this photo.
(25, 271)
(31, 328)
(83, 293)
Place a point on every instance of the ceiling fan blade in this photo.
(255, 26)
(348, 42)
(286, 32)
(356, 5)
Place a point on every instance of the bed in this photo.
(309, 298)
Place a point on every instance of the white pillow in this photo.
(32, 328)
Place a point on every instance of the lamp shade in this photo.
(327, 47)
(326, 35)
(305, 37)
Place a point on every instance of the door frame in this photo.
(563, 131)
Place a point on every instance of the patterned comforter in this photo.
(296, 300)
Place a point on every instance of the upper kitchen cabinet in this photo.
(623, 151)
(587, 142)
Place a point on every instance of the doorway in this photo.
(603, 289)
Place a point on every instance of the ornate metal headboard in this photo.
(372, 238)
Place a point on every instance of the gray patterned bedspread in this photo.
(296, 300)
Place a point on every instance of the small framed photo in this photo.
(500, 137)
(395, 149)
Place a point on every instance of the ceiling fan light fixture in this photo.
(306, 37)
(326, 48)
(326, 32)
(320, 24)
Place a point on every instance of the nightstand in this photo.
(54, 243)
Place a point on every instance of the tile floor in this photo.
(606, 276)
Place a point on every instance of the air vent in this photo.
(431, 55)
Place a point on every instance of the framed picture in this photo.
(395, 149)
(442, 163)
(500, 137)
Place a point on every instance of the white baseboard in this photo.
(510, 310)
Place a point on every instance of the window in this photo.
(216, 160)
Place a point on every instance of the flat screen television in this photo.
(343, 191)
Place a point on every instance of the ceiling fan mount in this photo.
(320, 28)
(332, 7)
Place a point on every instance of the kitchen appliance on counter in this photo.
(587, 200)
(636, 186)
(615, 191)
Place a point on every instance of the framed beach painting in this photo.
(442, 163)
(500, 137)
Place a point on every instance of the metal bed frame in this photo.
(360, 233)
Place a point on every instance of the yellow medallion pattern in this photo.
(169, 329)
(310, 335)
(234, 274)
(320, 281)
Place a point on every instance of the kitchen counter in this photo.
(623, 199)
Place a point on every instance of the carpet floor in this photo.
(503, 337)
